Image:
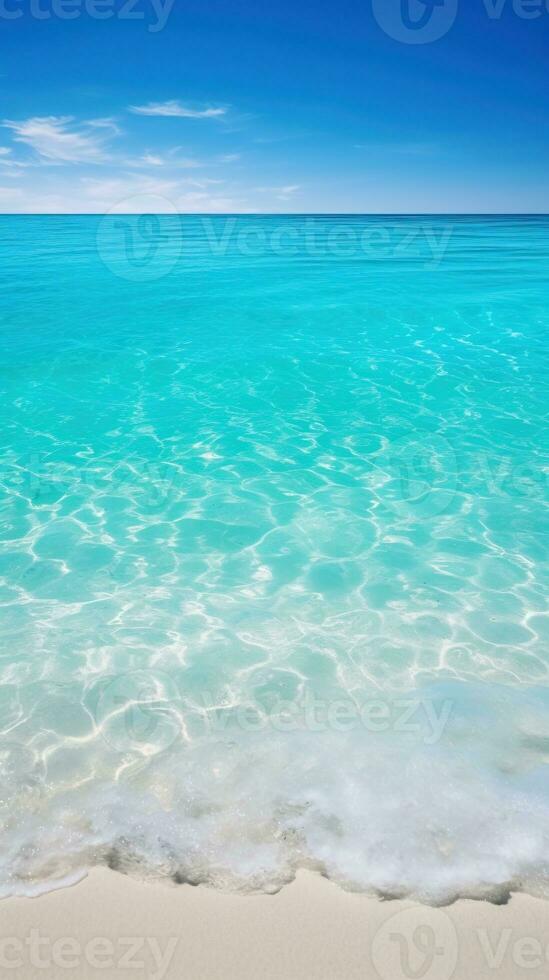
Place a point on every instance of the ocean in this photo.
(273, 551)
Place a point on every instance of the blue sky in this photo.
(244, 106)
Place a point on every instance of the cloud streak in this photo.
(282, 193)
(57, 140)
(174, 108)
(169, 161)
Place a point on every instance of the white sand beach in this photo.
(111, 926)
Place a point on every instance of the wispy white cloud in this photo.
(197, 203)
(166, 193)
(107, 122)
(203, 182)
(150, 160)
(281, 193)
(9, 197)
(105, 174)
(58, 139)
(174, 108)
(169, 159)
(10, 166)
(127, 194)
(126, 191)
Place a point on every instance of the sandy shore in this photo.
(109, 926)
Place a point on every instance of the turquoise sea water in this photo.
(273, 551)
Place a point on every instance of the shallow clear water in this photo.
(273, 551)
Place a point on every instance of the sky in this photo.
(308, 106)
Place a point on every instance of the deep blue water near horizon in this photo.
(273, 550)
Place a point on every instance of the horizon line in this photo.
(282, 214)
